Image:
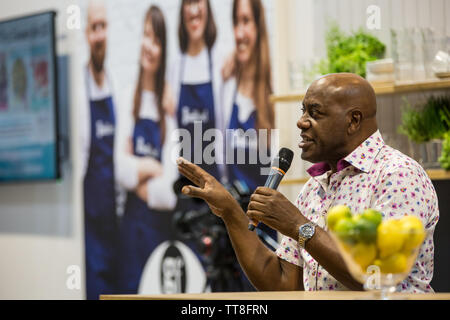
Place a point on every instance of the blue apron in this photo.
(246, 172)
(142, 228)
(100, 220)
(196, 103)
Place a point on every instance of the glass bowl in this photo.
(379, 255)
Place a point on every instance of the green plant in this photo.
(349, 53)
(426, 122)
(444, 159)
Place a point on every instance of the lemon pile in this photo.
(388, 244)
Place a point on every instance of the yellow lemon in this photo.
(396, 263)
(390, 238)
(363, 254)
(337, 213)
(414, 232)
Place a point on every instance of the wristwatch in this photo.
(305, 232)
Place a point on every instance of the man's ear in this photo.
(354, 121)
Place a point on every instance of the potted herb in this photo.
(349, 53)
(427, 125)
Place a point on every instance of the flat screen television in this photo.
(28, 99)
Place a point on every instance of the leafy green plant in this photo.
(430, 121)
(444, 159)
(349, 53)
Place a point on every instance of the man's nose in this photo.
(303, 123)
(99, 36)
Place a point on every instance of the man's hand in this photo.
(275, 210)
(208, 188)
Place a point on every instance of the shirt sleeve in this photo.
(126, 165)
(84, 124)
(407, 190)
(160, 194)
(289, 250)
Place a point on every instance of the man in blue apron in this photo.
(99, 184)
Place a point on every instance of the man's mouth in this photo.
(306, 142)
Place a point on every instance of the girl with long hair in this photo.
(196, 80)
(249, 114)
(246, 95)
(145, 166)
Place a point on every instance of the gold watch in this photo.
(305, 232)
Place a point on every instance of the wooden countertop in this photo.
(283, 295)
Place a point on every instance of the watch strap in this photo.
(301, 239)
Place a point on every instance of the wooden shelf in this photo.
(434, 174)
(438, 174)
(380, 89)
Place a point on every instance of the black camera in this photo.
(194, 221)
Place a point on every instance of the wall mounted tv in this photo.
(28, 99)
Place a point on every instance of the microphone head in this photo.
(284, 158)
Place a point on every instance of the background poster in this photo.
(176, 264)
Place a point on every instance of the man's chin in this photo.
(97, 63)
(309, 157)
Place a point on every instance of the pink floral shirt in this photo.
(375, 176)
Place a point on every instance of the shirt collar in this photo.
(361, 158)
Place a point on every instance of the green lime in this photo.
(345, 230)
(366, 230)
(337, 213)
(373, 216)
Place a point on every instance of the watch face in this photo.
(307, 231)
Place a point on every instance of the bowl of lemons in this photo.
(379, 253)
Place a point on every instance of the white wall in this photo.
(40, 223)
(351, 15)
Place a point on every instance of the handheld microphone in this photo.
(280, 165)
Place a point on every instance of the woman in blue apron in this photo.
(196, 109)
(197, 80)
(100, 223)
(147, 217)
(250, 110)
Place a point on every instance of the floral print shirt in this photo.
(375, 176)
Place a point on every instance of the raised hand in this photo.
(208, 188)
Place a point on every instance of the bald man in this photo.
(98, 127)
(352, 166)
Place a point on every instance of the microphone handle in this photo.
(272, 182)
